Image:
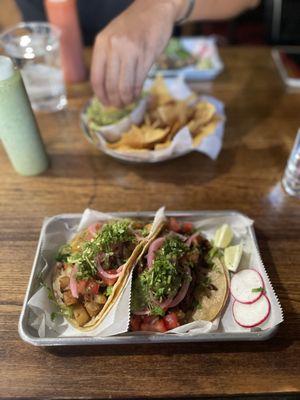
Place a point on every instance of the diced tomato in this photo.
(81, 285)
(171, 321)
(145, 327)
(149, 319)
(174, 225)
(187, 227)
(135, 323)
(158, 326)
(92, 287)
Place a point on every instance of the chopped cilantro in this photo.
(111, 234)
(49, 290)
(173, 247)
(156, 310)
(164, 278)
(63, 253)
(258, 290)
(53, 316)
(145, 231)
(108, 291)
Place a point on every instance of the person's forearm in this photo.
(214, 9)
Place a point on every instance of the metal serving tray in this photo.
(29, 334)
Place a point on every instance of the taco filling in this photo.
(180, 279)
(91, 268)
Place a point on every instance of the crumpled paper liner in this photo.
(182, 142)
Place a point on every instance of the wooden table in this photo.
(262, 121)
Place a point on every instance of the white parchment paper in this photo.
(117, 320)
(182, 142)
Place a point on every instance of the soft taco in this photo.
(93, 268)
(180, 278)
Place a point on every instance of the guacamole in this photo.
(98, 115)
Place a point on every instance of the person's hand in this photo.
(126, 49)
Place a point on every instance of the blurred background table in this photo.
(262, 119)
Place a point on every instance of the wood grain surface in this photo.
(262, 119)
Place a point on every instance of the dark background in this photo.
(273, 22)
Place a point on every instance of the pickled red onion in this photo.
(165, 304)
(156, 245)
(184, 288)
(141, 312)
(110, 273)
(73, 282)
(192, 238)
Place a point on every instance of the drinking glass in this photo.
(34, 48)
(291, 178)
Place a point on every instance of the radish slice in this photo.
(250, 315)
(247, 286)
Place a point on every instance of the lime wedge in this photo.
(232, 256)
(223, 236)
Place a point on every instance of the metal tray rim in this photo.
(122, 339)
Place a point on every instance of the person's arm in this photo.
(126, 49)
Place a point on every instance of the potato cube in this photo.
(80, 314)
(68, 298)
(64, 282)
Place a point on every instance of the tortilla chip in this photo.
(174, 129)
(133, 138)
(157, 124)
(164, 117)
(162, 146)
(205, 131)
(153, 135)
(160, 91)
(204, 112)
